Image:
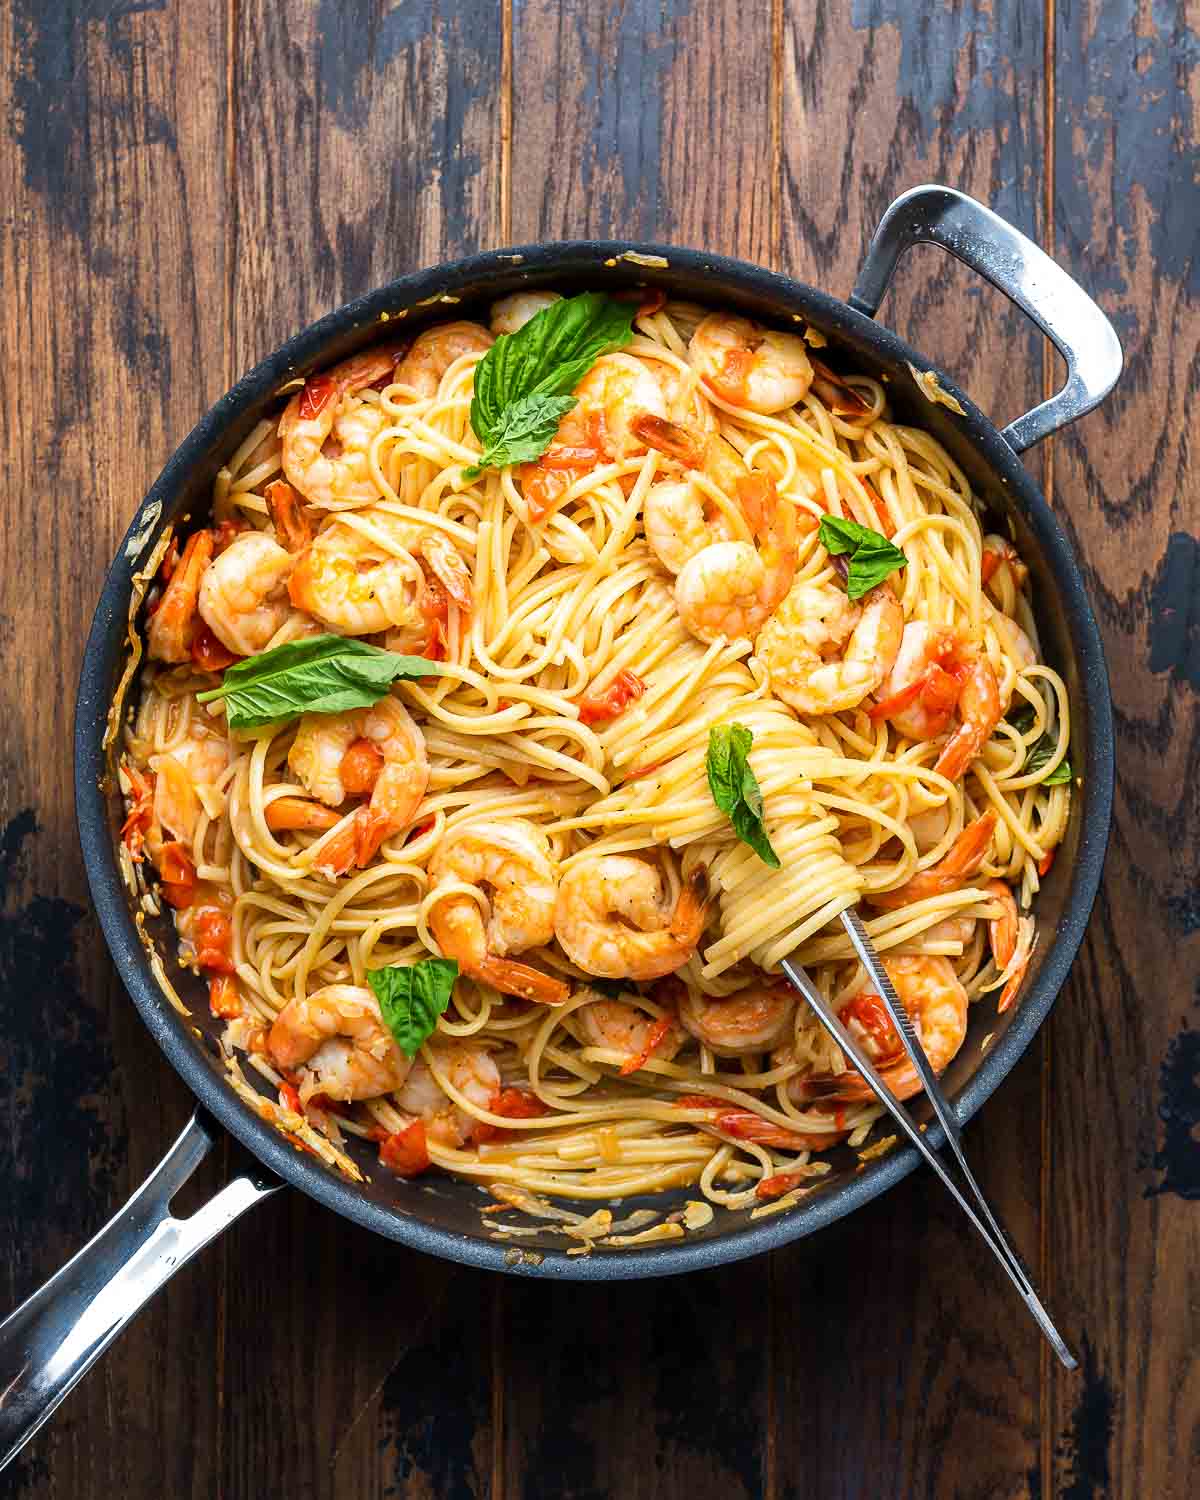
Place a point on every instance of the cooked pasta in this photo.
(651, 603)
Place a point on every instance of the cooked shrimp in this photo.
(243, 600)
(751, 1020)
(611, 918)
(823, 653)
(185, 781)
(622, 1027)
(292, 528)
(318, 757)
(937, 1004)
(614, 394)
(350, 581)
(339, 1038)
(435, 350)
(748, 365)
(1010, 937)
(298, 812)
(340, 477)
(731, 588)
(467, 1067)
(998, 553)
(511, 859)
(962, 862)
(979, 711)
(172, 626)
(920, 694)
(680, 517)
(514, 311)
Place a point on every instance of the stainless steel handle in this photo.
(51, 1340)
(1042, 290)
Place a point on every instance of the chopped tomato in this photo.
(213, 938)
(141, 811)
(569, 456)
(360, 768)
(988, 564)
(420, 830)
(544, 482)
(1045, 863)
(319, 391)
(330, 1106)
(640, 771)
(208, 653)
(291, 1097)
(513, 1104)
(866, 1011)
(782, 1182)
(178, 875)
(624, 689)
(405, 1152)
(223, 997)
(658, 1033)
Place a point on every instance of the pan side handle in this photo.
(1014, 264)
(51, 1340)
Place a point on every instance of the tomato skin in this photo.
(624, 689)
(223, 997)
(405, 1152)
(319, 391)
(208, 653)
(178, 875)
(513, 1104)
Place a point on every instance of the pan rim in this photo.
(110, 899)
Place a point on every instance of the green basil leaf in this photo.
(872, 557)
(525, 431)
(322, 674)
(547, 358)
(735, 787)
(412, 997)
(1021, 718)
(1037, 756)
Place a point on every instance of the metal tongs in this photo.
(980, 1215)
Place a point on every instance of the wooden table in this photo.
(183, 185)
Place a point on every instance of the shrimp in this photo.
(243, 600)
(185, 782)
(622, 1027)
(1010, 937)
(292, 528)
(937, 1004)
(467, 1067)
(611, 919)
(333, 479)
(950, 873)
(318, 757)
(612, 397)
(920, 694)
(514, 311)
(731, 588)
(748, 365)
(823, 653)
(750, 1020)
(338, 1036)
(511, 858)
(435, 350)
(172, 626)
(349, 580)
(999, 552)
(680, 518)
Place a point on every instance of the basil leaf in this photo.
(1037, 756)
(524, 432)
(412, 997)
(1021, 718)
(735, 787)
(872, 557)
(546, 359)
(322, 674)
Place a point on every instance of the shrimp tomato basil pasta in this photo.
(532, 691)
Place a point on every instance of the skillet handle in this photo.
(51, 1340)
(1041, 289)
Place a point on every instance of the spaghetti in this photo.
(539, 806)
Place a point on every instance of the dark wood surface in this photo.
(181, 186)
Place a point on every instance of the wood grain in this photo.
(1127, 1036)
(111, 344)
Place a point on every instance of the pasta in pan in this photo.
(531, 692)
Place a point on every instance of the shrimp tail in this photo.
(287, 515)
(299, 812)
(687, 922)
(522, 980)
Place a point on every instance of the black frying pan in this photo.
(48, 1343)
